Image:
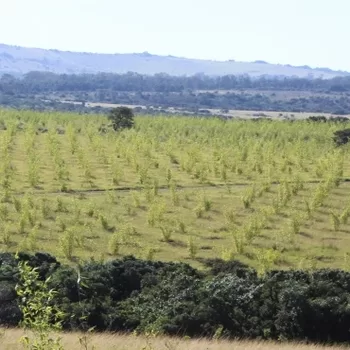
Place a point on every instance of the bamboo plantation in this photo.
(270, 193)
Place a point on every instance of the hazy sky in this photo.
(312, 32)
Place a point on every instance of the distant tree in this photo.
(341, 137)
(318, 118)
(121, 118)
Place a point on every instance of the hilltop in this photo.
(18, 60)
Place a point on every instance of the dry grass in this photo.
(9, 341)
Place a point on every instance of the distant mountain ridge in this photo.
(21, 60)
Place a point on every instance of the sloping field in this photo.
(271, 194)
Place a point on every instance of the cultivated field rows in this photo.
(271, 194)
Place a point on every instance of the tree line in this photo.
(195, 94)
(38, 82)
(228, 299)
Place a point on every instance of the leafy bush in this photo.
(173, 298)
(341, 137)
(121, 118)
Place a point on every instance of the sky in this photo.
(297, 32)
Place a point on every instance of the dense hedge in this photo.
(173, 298)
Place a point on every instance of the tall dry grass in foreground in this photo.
(105, 341)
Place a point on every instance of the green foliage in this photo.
(40, 313)
(61, 224)
(341, 137)
(176, 91)
(181, 226)
(207, 203)
(174, 195)
(156, 213)
(121, 118)
(266, 259)
(114, 244)
(150, 254)
(4, 211)
(6, 236)
(104, 222)
(45, 208)
(189, 167)
(61, 207)
(66, 243)
(295, 224)
(17, 204)
(345, 215)
(230, 216)
(335, 220)
(192, 248)
(167, 231)
(229, 300)
(240, 240)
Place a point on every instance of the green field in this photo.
(271, 194)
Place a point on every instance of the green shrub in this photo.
(40, 314)
(121, 118)
(173, 298)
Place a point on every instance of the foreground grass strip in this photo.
(106, 341)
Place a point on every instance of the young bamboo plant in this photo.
(40, 314)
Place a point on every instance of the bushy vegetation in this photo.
(228, 300)
(35, 82)
(42, 90)
(257, 213)
(341, 137)
(121, 118)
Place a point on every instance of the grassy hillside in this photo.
(271, 194)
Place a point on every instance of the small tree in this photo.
(341, 137)
(121, 118)
(40, 314)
